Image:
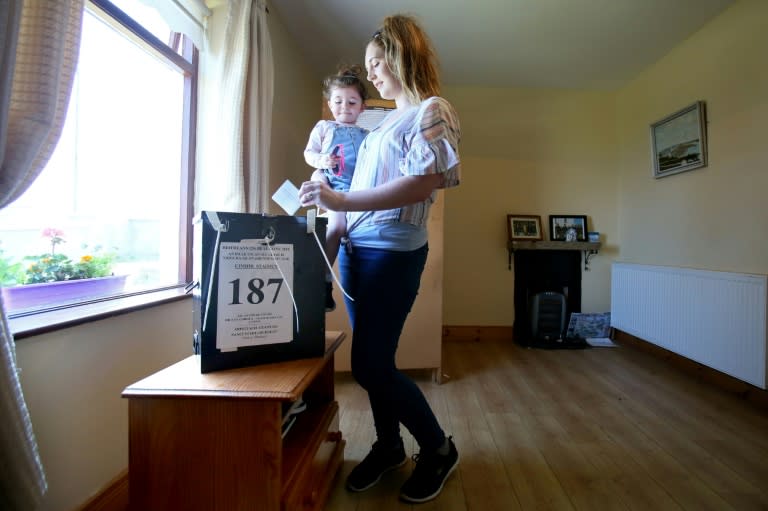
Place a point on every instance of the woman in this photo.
(401, 163)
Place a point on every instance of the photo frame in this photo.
(568, 227)
(524, 227)
(679, 141)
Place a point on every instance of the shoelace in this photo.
(424, 463)
(429, 460)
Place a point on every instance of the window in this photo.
(115, 196)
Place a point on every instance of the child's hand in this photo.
(330, 161)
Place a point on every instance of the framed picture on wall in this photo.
(568, 227)
(679, 141)
(524, 227)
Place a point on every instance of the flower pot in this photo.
(60, 292)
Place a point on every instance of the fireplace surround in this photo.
(546, 267)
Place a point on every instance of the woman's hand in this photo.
(399, 192)
(315, 193)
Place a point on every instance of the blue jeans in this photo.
(384, 285)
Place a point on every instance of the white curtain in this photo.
(234, 109)
(259, 122)
(40, 44)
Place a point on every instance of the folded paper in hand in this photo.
(287, 197)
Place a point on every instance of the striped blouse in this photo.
(415, 141)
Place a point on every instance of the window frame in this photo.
(27, 324)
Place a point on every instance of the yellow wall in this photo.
(568, 152)
(524, 151)
(294, 112)
(72, 380)
(714, 217)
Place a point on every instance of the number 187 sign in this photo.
(254, 305)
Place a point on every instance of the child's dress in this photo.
(324, 137)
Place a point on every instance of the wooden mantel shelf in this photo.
(553, 245)
(589, 248)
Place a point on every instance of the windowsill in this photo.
(51, 321)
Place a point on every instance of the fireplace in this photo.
(538, 271)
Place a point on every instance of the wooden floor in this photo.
(595, 429)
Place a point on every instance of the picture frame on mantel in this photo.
(679, 141)
(524, 227)
(568, 227)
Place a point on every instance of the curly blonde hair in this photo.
(410, 56)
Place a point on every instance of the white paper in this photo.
(601, 342)
(287, 197)
(254, 304)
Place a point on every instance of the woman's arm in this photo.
(395, 194)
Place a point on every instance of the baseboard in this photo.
(477, 333)
(113, 497)
(701, 372)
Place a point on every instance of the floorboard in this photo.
(592, 429)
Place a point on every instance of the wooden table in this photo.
(213, 441)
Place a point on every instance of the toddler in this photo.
(332, 150)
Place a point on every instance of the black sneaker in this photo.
(430, 474)
(330, 304)
(379, 461)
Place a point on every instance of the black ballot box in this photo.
(260, 289)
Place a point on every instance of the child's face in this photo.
(345, 104)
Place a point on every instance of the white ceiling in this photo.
(581, 44)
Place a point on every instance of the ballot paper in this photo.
(287, 197)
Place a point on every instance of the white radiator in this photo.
(715, 318)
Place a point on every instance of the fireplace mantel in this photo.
(553, 245)
(589, 248)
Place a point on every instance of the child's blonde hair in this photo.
(347, 76)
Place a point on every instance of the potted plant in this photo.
(54, 278)
(11, 273)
